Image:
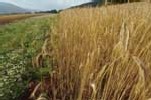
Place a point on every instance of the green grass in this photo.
(30, 32)
(19, 42)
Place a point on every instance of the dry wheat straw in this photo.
(101, 53)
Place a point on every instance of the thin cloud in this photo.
(45, 4)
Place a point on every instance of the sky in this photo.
(45, 4)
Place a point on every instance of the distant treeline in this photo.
(54, 11)
(118, 1)
(35, 12)
(48, 11)
(95, 3)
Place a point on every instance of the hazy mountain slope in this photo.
(10, 8)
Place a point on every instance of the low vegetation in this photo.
(101, 53)
(20, 42)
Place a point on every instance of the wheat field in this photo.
(101, 53)
(4, 19)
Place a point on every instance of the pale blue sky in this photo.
(45, 4)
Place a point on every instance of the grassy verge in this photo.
(19, 43)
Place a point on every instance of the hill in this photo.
(6, 8)
(89, 4)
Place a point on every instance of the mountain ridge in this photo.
(8, 8)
